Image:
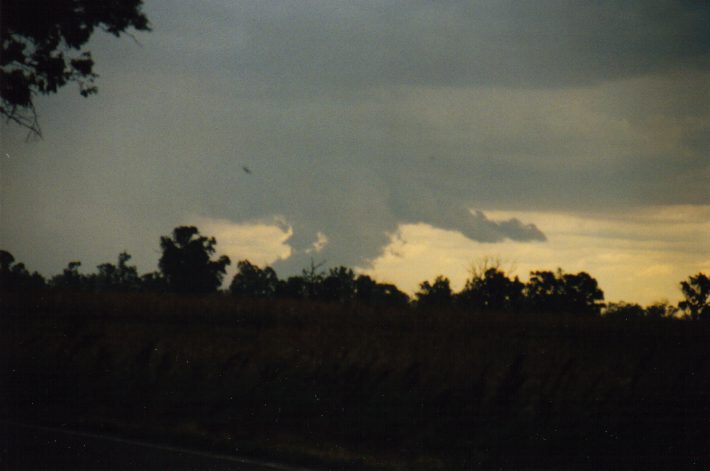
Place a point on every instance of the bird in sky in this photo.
(246, 169)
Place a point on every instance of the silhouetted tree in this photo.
(563, 292)
(312, 278)
(582, 293)
(696, 291)
(42, 48)
(435, 295)
(186, 262)
(368, 291)
(365, 289)
(70, 278)
(544, 291)
(492, 290)
(120, 277)
(309, 285)
(254, 282)
(338, 285)
(14, 276)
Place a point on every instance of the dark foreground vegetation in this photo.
(337, 370)
(355, 385)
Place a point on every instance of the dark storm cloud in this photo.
(476, 226)
(355, 117)
(315, 46)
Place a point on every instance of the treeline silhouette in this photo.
(187, 267)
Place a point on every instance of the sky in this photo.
(406, 139)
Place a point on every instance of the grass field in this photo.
(353, 386)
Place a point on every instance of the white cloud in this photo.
(319, 244)
(260, 242)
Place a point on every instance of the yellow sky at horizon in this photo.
(636, 256)
(639, 256)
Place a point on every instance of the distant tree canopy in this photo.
(70, 278)
(120, 277)
(42, 48)
(624, 311)
(254, 282)
(435, 295)
(109, 277)
(368, 291)
(548, 291)
(338, 285)
(187, 267)
(15, 277)
(632, 311)
(186, 262)
(660, 310)
(492, 290)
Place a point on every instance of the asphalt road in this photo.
(32, 447)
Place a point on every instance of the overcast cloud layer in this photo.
(355, 118)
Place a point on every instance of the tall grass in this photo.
(365, 386)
